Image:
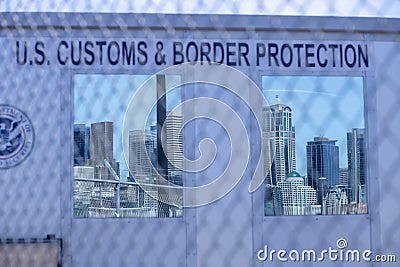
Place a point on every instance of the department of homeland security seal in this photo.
(16, 136)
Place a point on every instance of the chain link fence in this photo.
(115, 149)
(353, 8)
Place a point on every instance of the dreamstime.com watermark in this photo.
(338, 254)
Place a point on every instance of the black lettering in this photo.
(23, 61)
(73, 60)
(297, 47)
(109, 52)
(196, 53)
(273, 54)
(341, 55)
(128, 55)
(260, 52)
(60, 60)
(333, 47)
(309, 54)
(178, 49)
(39, 49)
(243, 53)
(205, 49)
(347, 57)
(142, 46)
(229, 53)
(100, 44)
(362, 55)
(219, 46)
(321, 63)
(89, 57)
(289, 49)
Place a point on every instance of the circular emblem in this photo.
(16, 136)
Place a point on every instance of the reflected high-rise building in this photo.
(297, 198)
(322, 165)
(279, 152)
(143, 154)
(142, 165)
(344, 176)
(81, 144)
(101, 147)
(279, 142)
(173, 124)
(143, 149)
(143, 161)
(356, 156)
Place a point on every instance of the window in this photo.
(118, 166)
(321, 167)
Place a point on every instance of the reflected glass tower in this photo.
(143, 164)
(279, 142)
(279, 153)
(143, 154)
(344, 176)
(356, 157)
(101, 147)
(173, 124)
(81, 144)
(322, 165)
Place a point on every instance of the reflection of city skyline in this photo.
(93, 105)
(143, 152)
(337, 186)
(325, 188)
(327, 106)
(93, 145)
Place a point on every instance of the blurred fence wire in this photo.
(318, 139)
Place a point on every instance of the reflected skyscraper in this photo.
(143, 154)
(173, 124)
(279, 152)
(344, 176)
(279, 142)
(81, 144)
(297, 198)
(143, 161)
(142, 164)
(322, 165)
(101, 147)
(356, 156)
